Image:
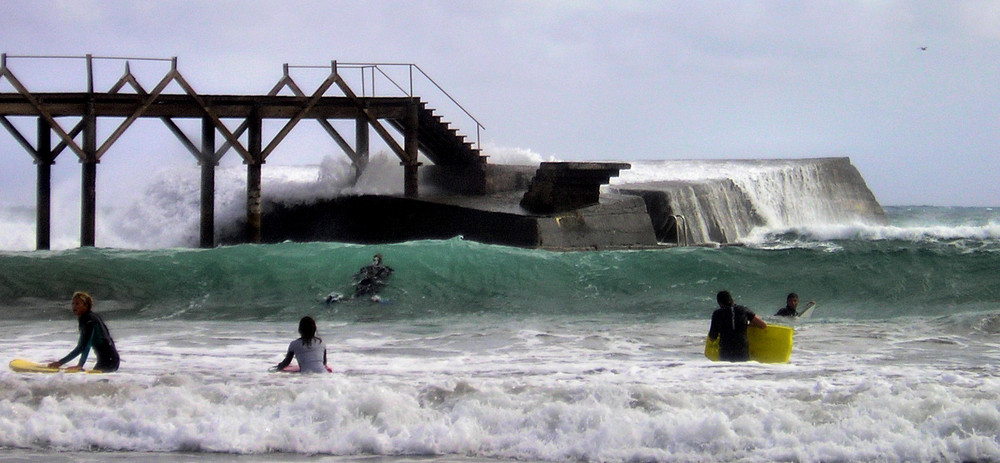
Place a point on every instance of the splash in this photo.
(729, 201)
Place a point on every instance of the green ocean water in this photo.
(948, 264)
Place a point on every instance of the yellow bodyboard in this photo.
(770, 345)
(27, 366)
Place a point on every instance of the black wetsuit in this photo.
(787, 311)
(729, 324)
(95, 334)
(371, 279)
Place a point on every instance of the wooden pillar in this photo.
(88, 204)
(254, 234)
(43, 196)
(88, 187)
(208, 164)
(410, 178)
(361, 144)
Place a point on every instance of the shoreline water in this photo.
(537, 389)
(28, 456)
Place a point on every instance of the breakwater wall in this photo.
(651, 203)
(722, 201)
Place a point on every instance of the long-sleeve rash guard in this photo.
(94, 334)
(311, 357)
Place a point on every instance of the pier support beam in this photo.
(361, 143)
(43, 195)
(88, 204)
(410, 176)
(410, 146)
(88, 187)
(208, 163)
(254, 234)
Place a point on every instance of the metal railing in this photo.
(89, 59)
(372, 73)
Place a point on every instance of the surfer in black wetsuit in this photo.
(94, 334)
(729, 326)
(372, 278)
(791, 306)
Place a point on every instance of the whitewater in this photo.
(491, 353)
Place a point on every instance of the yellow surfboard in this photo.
(27, 366)
(770, 345)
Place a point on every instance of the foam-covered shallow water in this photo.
(538, 388)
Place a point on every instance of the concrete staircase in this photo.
(441, 143)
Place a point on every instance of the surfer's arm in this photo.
(82, 349)
(287, 361)
(362, 273)
(94, 332)
(69, 356)
(288, 357)
(324, 356)
(758, 322)
(808, 306)
(713, 332)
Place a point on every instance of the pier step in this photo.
(441, 143)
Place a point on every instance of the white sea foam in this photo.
(513, 156)
(599, 391)
(782, 192)
(17, 229)
(863, 232)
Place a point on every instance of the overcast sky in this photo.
(584, 80)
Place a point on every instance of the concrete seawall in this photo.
(488, 206)
(740, 195)
(619, 221)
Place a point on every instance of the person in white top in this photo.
(308, 350)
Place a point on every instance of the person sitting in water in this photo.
(729, 326)
(308, 350)
(791, 306)
(372, 278)
(94, 334)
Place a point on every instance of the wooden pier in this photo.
(423, 132)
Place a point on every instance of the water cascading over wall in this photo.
(722, 201)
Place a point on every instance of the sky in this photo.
(910, 91)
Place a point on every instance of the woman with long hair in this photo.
(308, 350)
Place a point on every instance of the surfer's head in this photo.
(724, 299)
(377, 259)
(307, 328)
(792, 300)
(82, 303)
